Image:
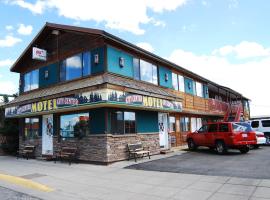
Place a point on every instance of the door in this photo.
(47, 135)
(163, 130)
(199, 136)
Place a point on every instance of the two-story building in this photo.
(97, 92)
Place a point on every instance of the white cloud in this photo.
(119, 14)
(243, 50)
(25, 29)
(6, 63)
(189, 28)
(9, 28)
(9, 41)
(36, 8)
(233, 4)
(8, 87)
(146, 46)
(250, 78)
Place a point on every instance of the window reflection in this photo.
(74, 125)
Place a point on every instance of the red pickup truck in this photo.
(222, 136)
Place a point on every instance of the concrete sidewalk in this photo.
(85, 181)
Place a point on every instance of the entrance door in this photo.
(163, 130)
(47, 135)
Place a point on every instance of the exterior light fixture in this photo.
(96, 59)
(56, 32)
(46, 74)
(121, 62)
(166, 77)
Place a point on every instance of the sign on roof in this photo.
(39, 54)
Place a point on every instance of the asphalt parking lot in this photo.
(254, 164)
(8, 194)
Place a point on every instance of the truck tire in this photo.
(244, 149)
(191, 145)
(221, 147)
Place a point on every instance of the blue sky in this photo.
(226, 41)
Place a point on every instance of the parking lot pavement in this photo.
(93, 182)
(8, 194)
(254, 164)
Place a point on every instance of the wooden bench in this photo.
(66, 153)
(27, 152)
(137, 150)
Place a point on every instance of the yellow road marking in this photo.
(25, 183)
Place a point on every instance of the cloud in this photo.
(9, 27)
(8, 87)
(25, 29)
(189, 28)
(6, 63)
(233, 4)
(36, 8)
(243, 50)
(146, 46)
(9, 41)
(250, 78)
(119, 14)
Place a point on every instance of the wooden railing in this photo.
(211, 106)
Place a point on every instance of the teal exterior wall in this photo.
(53, 75)
(147, 121)
(205, 91)
(97, 121)
(189, 86)
(98, 68)
(113, 56)
(162, 73)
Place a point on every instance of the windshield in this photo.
(241, 127)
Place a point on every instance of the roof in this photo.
(52, 26)
(73, 86)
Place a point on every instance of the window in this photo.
(255, 124)
(74, 125)
(148, 72)
(266, 123)
(184, 124)
(199, 89)
(71, 68)
(31, 128)
(181, 83)
(212, 128)
(76, 66)
(136, 67)
(174, 81)
(31, 80)
(123, 122)
(223, 128)
(241, 127)
(129, 118)
(196, 124)
(172, 124)
(203, 129)
(86, 56)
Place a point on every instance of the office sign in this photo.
(39, 54)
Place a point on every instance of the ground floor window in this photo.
(31, 128)
(123, 122)
(172, 124)
(74, 125)
(184, 124)
(196, 124)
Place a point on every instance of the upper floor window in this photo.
(199, 89)
(146, 71)
(175, 81)
(76, 66)
(31, 80)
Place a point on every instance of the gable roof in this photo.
(48, 27)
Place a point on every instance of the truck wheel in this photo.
(191, 145)
(221, 147)
(244, 149)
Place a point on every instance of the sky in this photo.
(226, 41)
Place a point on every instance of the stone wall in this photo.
(117, 145)
(100, 148)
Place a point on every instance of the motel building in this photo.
(85, 88)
